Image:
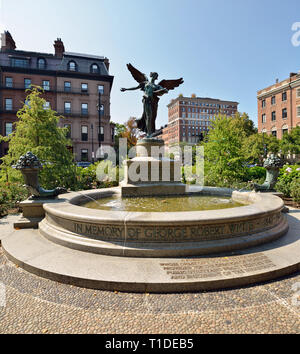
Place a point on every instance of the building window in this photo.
(41, 63)
(274, 133)
(8, 104)
(8, 82)
(47, 105)
(95, 69)
(27, 83)
(84, 133)
(72, 66)
(84, 109)
(298, 111)
(298, 92)
(84, 155)
(284, 113)
(68, 133)
(101, 89)
(273, 100)
(67, 86)
(68, 107)
(273, 116)
(285, 131)
(284, 96)
(20, 63)
(8, 129)
(101, 134)
(46, 85)
(84, 87)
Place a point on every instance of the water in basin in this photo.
(163, 203)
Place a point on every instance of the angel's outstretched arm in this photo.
(130, 89)
(161, 91)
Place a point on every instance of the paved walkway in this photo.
(37, 305)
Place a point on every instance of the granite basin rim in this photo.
(68, 208)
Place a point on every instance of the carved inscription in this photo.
(211, 268)
(96, 230)
(174, 233)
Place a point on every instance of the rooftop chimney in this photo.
(106, 62)
(7, 42)
(59, 48)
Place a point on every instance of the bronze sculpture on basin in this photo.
(152, 91)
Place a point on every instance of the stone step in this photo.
(34, 253)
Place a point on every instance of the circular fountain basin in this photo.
(189, 202)
(164, 234)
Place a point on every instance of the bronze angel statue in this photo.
(152, 91)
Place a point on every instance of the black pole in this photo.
(99, 116)
(93, 153)
(99, 111)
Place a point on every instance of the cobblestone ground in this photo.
(37, 305)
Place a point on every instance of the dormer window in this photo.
(72, 66)
(95, 69)
(41, 63)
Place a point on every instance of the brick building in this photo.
(189, 118)
(279, 106)
(71, 83)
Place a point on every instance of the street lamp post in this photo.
(99, 117)
(93, 153)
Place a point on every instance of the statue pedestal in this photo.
(150, 173)
(32, 213)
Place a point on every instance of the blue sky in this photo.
(224, 49)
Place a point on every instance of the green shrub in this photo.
(288, 177)
(295, 190)
(87, 178)
(256, 172)
(11, 194)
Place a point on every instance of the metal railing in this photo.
(51, 88)
(72, 113)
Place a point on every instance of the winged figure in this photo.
(152, 92)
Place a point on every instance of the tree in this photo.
(272, 144)
(37, 131)
(290, 142)
(257, 146)
(246, 123)
(224, 158)
(254, 148)
(131, 132)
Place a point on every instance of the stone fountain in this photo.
(158, 251)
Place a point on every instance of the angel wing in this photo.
(171, 84)
(137, 75)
